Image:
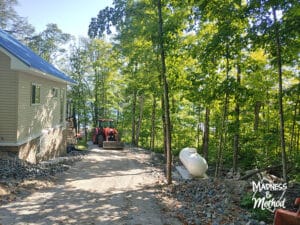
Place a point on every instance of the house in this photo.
(32, 103)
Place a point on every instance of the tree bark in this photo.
(96, 103)
(236, 138)
(166, 95)
(74, 117)
(199, 129)
(256, 115)
(293, 132)
(206, 133)
(133, 118)
(223, 132)
(104, 98)
(222, 138)
(298, 142)
(153, 118)
(247, 176)
(139, 125)
(280, 97)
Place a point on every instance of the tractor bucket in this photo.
(113, 145)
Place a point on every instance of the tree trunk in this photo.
(139, 125)
(293, 132)
(298, 142)
(222, 138)
(199, 129)
(153, 118)
(133, 118)
(96, 103)
(236, 138)
(166, 95)
(85, 124)
(256, 115)
(74, 117)
(252, 173)
(223, 132)
(163, 117)
(280, 96)
(78, 105)
(85, 116)
(104, 98)
(206, 133)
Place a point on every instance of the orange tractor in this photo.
(106, 135)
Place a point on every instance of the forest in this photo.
(220, 76)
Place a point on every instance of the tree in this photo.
(122, 17)
(80, 93)
(220, 28)
(11, 22)
(219, 68)
(104, 79)
(48, 44)
(274, 33)
(167, 122)
(7, 12)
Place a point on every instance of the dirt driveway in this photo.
(106, 187)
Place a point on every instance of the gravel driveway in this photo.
(106, 187)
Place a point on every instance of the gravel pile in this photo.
(208, 202)
(20, 170)
(203, 201)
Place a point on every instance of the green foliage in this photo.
(81, 145)
(208, 60)
(256, 213)
(13, 23)
(48, 43)
(246, 201)
(262, 215)
(208, 44)
(295, 175)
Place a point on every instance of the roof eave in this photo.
(19, 65)
(47, 76)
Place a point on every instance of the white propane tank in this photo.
(193, 162)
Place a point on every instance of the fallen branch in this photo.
(256, 171)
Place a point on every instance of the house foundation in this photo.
(52, 143)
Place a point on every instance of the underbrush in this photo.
(256, 213)
(81, 145)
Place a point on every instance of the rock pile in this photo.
(208, 202)
(203, 201)
(19, 170)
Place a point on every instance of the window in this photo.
(54, 92)
(35, 94)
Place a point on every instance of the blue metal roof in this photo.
(29, 58)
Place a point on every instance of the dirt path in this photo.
(106, 187)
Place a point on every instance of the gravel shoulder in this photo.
(105, 187)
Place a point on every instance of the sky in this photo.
(71, 16)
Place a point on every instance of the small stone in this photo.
(197, 221)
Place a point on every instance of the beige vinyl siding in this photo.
(8, 101)
(37, 118)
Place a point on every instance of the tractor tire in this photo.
(100, 140)
(95, 142)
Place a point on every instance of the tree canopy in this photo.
(229, 66)
(221, 76)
